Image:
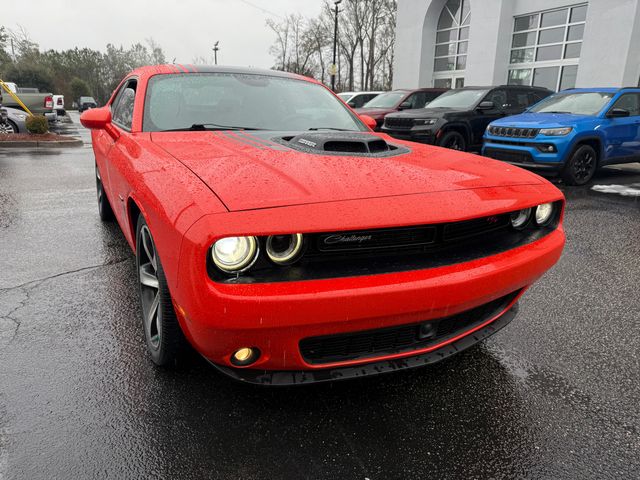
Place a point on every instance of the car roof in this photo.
(598, 90)
(491, 87)
(174, 68)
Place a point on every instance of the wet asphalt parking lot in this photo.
(555, 395)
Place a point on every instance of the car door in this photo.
(482, 118)
(622, 134)
(123, 153)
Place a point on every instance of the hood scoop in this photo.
(342, 143)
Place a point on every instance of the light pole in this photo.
(215, 51)
(334, 67)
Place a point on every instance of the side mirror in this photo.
(486, 105)
(405, 106)
(369, 121)
(352, 104)
(99, 119)
(618, 113)
(96, 118)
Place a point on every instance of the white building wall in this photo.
(610, 51)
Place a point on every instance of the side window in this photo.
(360, 100)
(518, 100)
(418, 100)
(499, 98)
(630, 102)
(122, 108)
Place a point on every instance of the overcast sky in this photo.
(185, 29)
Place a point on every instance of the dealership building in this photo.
(548, 43)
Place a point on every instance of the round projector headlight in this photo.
(544, 214)
(520, 218)
(234, 254)
(284, 249)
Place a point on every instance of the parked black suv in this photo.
(458, 118)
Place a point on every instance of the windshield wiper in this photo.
(201, 127)
(555, 111)
(331, 128)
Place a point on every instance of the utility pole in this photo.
(215, 51)
(334, 67)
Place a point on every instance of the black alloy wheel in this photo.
(104, 207)
(581, 166)
(453, 141)
(162, 332)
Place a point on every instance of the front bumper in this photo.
(220, 318)
(527, 153)
(426, 135)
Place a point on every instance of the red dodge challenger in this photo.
(288, 243)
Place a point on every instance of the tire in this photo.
(163, 335)
(8, 128)
(454, 141)
(104, 207)
(581, 166)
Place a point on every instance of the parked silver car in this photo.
(15, 121)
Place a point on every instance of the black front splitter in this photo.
(301, 377)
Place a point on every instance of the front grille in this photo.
(403, 338)
(513, 156)
(398, 122)
(514, 132)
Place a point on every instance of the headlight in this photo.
(424, 121)
(21, 117)
(234, 254)
(284, 249)
(520, 218)
(544, 214)
(556, 132)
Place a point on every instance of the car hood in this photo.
(374, 112)
(437, 112)
(249, 170)
(539, 120)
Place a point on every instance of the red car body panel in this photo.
(194, 188)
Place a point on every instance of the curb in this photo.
(37, 144)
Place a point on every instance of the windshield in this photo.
(458, 99)
(386, 100)
(585, 103)
(262, 102)
(345, 96)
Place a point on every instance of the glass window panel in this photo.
(526, 23)
(462, 47)
(444, 64)
(446, 20)
(553, 35)
(553, 52)
(575, 32)
(546, 77)
(524, 55)
(447, 36)
(520, 77)
(579, 14)
(569, 74)
(524, 39)
(557, 17)
(445, 50)
(459, 82)
(464, 33)
(454, 7)
(572, 50)
(442, 83)
(462, 62)
(465, 17)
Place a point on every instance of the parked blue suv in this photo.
(571, 133)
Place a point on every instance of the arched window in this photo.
(452, 37)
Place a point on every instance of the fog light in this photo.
(520, 218)
(245, 356)
(547, 148)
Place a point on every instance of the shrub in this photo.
(37, 124)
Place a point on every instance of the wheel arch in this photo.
(593, 141)
(460, 128)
